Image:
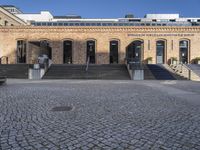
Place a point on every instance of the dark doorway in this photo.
(21, 51)
(91, 51)
(114, 52)
(134, 51)
(45, 49)
(67, 52)
(160, 52)
(183, 53)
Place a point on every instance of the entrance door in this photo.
(91, 51)
(160, 52)
(183, 52)
(67, 52)
(113, 52)
(45, 49)
(21, 51)
(134, 51)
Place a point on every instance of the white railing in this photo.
(87, 64)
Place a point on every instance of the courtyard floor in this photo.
(157, 115)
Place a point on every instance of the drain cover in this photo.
(62, 108)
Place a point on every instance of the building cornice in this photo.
(98, 29)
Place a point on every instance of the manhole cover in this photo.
(62, 108)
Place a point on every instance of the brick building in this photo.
(72, 39)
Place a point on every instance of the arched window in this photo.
(134, 51)
(21, 51)
(160, 52)
(67, 52)
(183, 51)
(114, 48)
(91, 48)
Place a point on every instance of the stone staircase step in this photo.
(157, 72)
(114, 72)
(18, 71)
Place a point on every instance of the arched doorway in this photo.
(134, 51)
(45, 48)
(183, 51)
(114, 48)
(160, 52)
(67, 52)
(21, 51)
(91, 48)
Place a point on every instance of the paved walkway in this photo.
(119, 115)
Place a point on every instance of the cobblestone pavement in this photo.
(157, 115)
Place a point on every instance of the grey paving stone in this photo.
(106, 115)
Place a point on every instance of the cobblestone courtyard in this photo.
(105, 115)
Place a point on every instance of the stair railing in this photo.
(47, 64)
(1, 59)
(87, 64)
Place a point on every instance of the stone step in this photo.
(115, 72)
(158, 72)
(18, 71)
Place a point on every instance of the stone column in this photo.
(57, 52)
(79, 52)
(123, 43)
(102, 51)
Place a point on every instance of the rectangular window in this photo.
(94, 24)
(60, 24)
(38, 24)
(6, 23)
(82, 24)
(44, 24)
(172, 20)
(49, 24)
(55, 24)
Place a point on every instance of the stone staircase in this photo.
(174, 73)
(157, 72)
(188, 71)
(18, 71)
(106, 72)
(195, 68)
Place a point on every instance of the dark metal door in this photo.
(91, 51)
(67, 57)
(113, 52)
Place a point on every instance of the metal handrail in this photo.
(135, 65)
(87, 64)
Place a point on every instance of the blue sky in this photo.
(108, 8)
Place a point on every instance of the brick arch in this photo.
(67, 39)
(132, 54)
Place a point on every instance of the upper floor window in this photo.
(6, 23)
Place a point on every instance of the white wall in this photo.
(43, 16)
